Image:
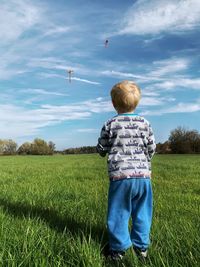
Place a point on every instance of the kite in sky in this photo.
(70, 72)
(106, 43)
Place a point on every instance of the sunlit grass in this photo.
(53, 211)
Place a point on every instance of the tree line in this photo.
(37, 147)
(81, 150)
(180, 141)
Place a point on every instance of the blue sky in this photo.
(155, 43)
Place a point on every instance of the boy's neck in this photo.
(128, 112)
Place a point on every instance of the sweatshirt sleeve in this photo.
(103, 141)
(151, 145)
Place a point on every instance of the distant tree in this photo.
(163, 148)
(184, 141)
(194, 138)
(24, 149)
(2, 144)
(40, 147)
(52, 147)
(8, 147)
(37, 147)
(80, 150)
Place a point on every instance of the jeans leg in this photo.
(142, 215)
(119, 211)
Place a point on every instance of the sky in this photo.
(154, 43)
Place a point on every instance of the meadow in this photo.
(53, 212)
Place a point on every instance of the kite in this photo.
(106, 43)
(70, 72)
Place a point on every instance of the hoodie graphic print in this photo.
(129, 141)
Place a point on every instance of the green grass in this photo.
(53, 211)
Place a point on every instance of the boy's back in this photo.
(129, 141)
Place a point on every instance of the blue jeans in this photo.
(129, 198)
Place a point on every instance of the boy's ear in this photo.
(113, 103)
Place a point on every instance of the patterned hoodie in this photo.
(129, 141)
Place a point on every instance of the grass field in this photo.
(53, 211)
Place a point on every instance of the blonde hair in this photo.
(125, 96)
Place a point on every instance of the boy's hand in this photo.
(100, 150)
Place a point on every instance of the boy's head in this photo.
(125, 96)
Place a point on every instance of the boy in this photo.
(129, 141)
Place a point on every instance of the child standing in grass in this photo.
(129, 141)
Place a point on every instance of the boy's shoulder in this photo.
(109, 121)
(120, 118)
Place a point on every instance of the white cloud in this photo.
(157, 71)
(152, 39)
(149, 92)
(27, 34)
(186, 107)
(179, 82)
(7, 73)
(57, 64)
(89, 130)
(54, 75)
(57, 30)
(19, 33)
(169, 66)
(151, 101)
(85, 81)
(49, 63)
(16, 17)
(183, 108)
(18, 121)
(123, 75)
(157, 16)
(51, 75)
(41, 92)
(139, 78)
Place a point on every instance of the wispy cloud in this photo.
(15, 21)
(51, 75)
(49, 63)
(88, 130)
(18, 121)
(84, 81)
(157, 16)
(152, 39)
(157, 71)
(58, 64)
(151, 101)
(27, 36)
(120, 74)
(61, 66)
(181, 107)
(41, 92)
(169, 66)
(54, 75)
(179, 82)
(57, 30)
